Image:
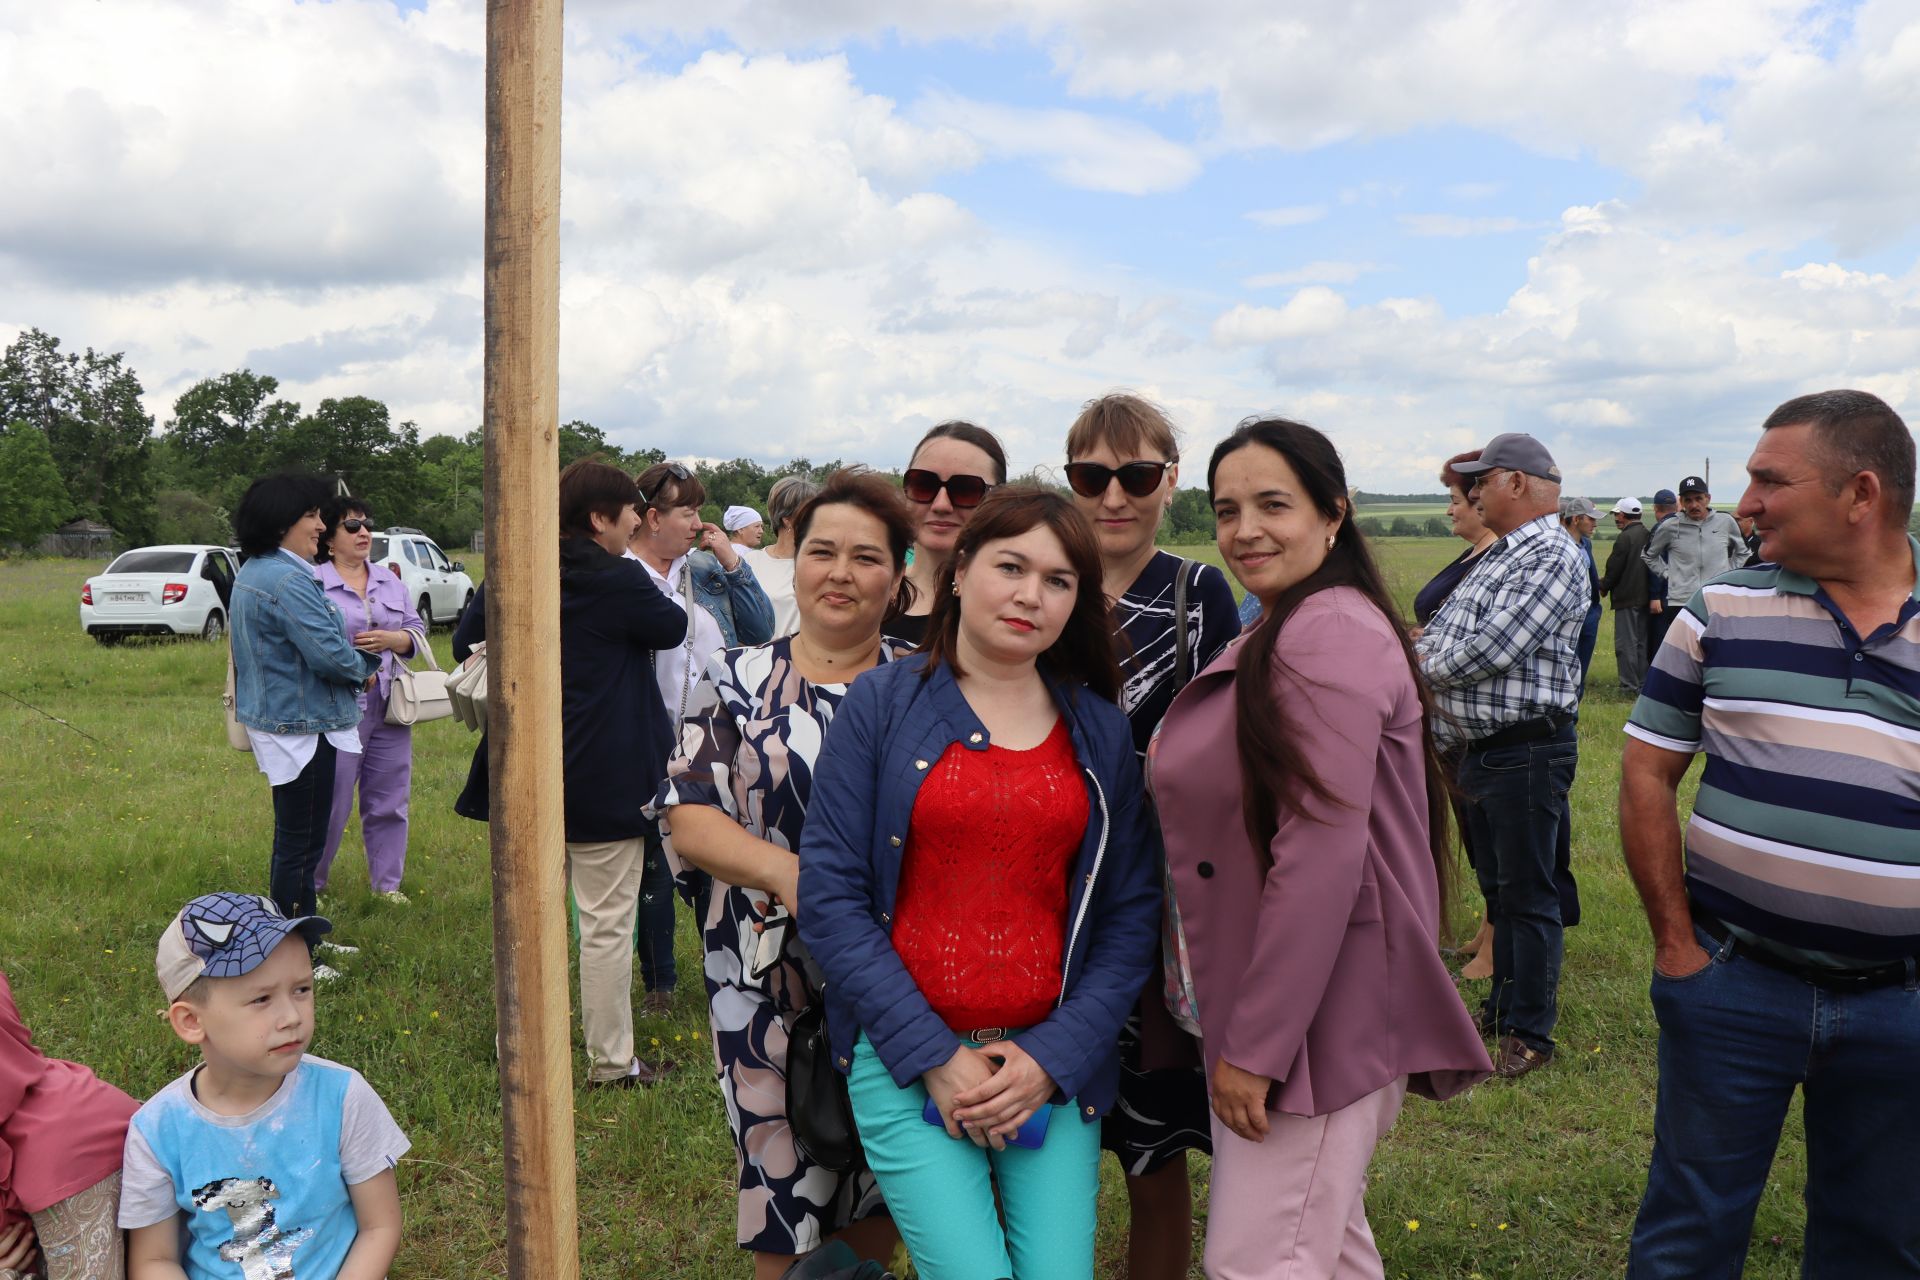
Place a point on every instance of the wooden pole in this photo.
(523, 630)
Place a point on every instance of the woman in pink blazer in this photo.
(1309, 880)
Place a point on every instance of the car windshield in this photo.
(153, 562)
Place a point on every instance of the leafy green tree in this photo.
(225, 429)
(33, 501)
(185, 516)
(353, 438)
(1188, 521)
(87, 405)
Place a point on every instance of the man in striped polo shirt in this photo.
(1785, 939)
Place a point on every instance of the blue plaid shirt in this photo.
(1501, 649)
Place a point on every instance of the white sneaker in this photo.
(325, 973)
(336, 948)
(394, 898)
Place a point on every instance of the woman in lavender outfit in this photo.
(379, 620)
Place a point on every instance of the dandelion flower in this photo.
(1413, 1224)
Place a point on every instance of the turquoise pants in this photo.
(940, 1189)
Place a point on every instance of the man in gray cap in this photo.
(1500, 657)
(1695, 546)
(1579, 517)
(1625, 584)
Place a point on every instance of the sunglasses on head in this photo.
(355, 526)
(676, 471)
(1090, 479)
(924, 486)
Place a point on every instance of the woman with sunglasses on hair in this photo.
(953, 467)
(694, 565)
(379, 619)
(1123, 464)
(977, 885)
(736, 796)
(1309, 871)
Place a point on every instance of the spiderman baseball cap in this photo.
(225, 935)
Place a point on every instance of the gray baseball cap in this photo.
(1513, 451)
(1579, 507)
(225, 935)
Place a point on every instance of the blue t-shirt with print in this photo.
(264, 1194)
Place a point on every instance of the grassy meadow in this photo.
(113, 819)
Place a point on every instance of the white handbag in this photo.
(236, 732)
(416, 696)
(467, 690)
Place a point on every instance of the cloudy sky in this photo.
(815, 228)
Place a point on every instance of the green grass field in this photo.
(114, 819)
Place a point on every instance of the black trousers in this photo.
(300, 810)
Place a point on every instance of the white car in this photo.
(160, 591)
(438, 587)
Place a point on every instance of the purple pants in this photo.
(384, 773)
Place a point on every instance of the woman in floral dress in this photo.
(734, 800)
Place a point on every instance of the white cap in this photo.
(738, 518)
(1627, 507)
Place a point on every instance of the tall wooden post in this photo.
(523, 634)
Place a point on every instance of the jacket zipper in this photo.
(1086, 900)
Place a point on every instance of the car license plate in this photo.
(126, 597)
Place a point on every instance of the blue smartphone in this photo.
(1030, 1135)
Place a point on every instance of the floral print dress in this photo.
(752, 732)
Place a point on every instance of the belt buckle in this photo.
(987, 1035)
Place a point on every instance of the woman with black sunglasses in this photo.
(1123, 463)
(951, 470)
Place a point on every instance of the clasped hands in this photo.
(986, 1094)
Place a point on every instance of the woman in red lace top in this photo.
(976, 884)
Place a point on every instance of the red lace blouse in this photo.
(981, 916)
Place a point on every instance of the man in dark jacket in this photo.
(1625, 584)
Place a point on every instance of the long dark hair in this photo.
(1084, 652)
(1275, 773)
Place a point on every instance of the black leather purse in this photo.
(818, 1110)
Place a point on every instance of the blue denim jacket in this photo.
(735, 600)
(891, 726)
(294, 671)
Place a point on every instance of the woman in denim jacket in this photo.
(977, 885)
(296, 676)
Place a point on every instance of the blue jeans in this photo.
(300, 812)
(654, 937)
(940, 1190)
(1736, 1039)
(1516, 807)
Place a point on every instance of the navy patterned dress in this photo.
(747, 746)
(1161, 1114)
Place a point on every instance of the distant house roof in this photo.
(85, 526)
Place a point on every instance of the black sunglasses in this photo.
(355, 526)
(924, 486)
(675, 470)
(1090, 479)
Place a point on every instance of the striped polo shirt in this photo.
(1805, 837)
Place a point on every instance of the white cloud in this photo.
(1293, 215)
(1312, 273)
(1591, 412)
(1079, 149)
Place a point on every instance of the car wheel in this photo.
(425, 610)
(216, 625)
(107, 638)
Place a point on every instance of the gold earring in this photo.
(956, 588)
(1330, 540)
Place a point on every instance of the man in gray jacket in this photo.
(1625, 584)
(1695, 546)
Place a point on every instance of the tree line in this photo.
(76, 442)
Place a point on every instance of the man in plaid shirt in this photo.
(1500, 656)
